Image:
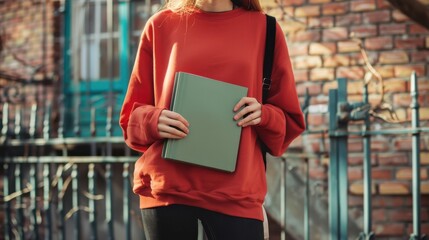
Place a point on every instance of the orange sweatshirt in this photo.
(227, 46)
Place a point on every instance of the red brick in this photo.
(424, 114)
(355, 73)
(357, 58)
(320, 1)
(293, 2)
(417, 29)
(378, 43)
(424, 188)
(355, 173)
(336, 60)
(382, 173)
(355, 145)
(392, 159)
(313, 89)
(300, 75)
(427, 42)
(388, 201)
(289, 27)
(379, 215)
(393, 57)
(376, 17)
(324, 22)
(399, 17)
(298, 49)
(407, 174)
(307, 11)
(322, 74)
(394, 188)
(322, 48)
(407, 70)
(402, 143)
(329, 85)
(348, 19)
(307, 62)
(379, 144)
(409, 43)
(396, 85)
(306, 36)
(420, 56)
(364, 31)
(348, 46)
(424, 158)
(393, 28)
(335, 8)
(401, 215)
(424, 227)
(355, 201)
(338, 33)
(401, 100)
(363, 5)
(357, 188)
(383, 4)
(385, 71)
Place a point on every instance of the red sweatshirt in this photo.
(227, 46)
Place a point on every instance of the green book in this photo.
(214, 137)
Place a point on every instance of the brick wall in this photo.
(30, 52)
(24, 30)
(319, 38)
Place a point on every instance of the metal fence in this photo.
(57, 187)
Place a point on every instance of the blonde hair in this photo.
(184, 5)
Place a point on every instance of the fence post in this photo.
(415, 157)
(338, 180)
(367, 166)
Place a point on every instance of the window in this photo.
(102, 39)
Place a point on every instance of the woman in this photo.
(222, 40)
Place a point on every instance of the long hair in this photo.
(182, 5)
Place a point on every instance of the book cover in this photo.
(214, 137)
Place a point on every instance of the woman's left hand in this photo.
(250, 114)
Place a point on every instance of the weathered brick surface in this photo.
(363, 5)
(322, 48)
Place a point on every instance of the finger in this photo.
(176, 116)
(243, 101)
(253, 107)
(243, 112)
(252, 119)
(169, 135)
(162, 128)
(173, 123)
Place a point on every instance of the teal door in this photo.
(101, 38)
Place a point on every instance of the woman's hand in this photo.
(251, 112)
(172, 125)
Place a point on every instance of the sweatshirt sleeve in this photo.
(282, 119)
(139, 116)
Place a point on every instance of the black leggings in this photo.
(180, 222)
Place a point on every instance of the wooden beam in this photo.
(413, 9)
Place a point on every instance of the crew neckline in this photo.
(217, 15)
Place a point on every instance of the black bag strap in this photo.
(270, 40)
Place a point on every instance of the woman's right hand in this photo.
(172, 125)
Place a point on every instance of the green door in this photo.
(101, 38)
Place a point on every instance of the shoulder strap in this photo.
(270, 40)
(269, 55)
